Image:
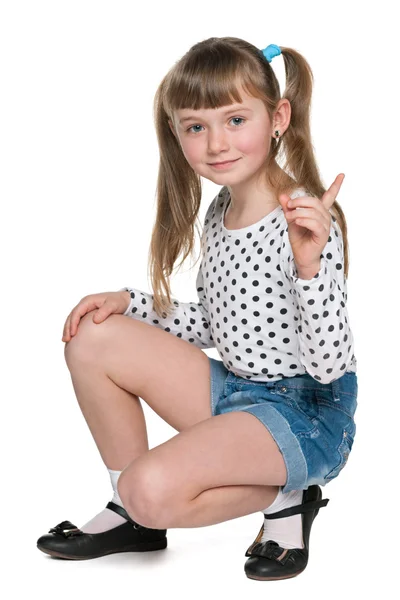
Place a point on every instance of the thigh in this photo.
(312, 423)
(170, 374)
(228, 449)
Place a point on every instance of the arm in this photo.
(189, 321)
(325, 338)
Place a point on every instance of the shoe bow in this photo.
(66, 529)
(269, 549)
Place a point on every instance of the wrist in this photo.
(309, 272)
(128, 298)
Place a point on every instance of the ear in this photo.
(282, 115)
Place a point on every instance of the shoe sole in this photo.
(293, 574)
(275, 578)
(146, 547)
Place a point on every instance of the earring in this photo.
(277, 135)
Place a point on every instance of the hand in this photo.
(107, 303)
(309, 227)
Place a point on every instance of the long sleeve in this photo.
(324, 334)
(189, 321)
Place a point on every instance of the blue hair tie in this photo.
(271, 51)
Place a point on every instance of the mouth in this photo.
(225, 162)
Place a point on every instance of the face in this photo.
(238, 132)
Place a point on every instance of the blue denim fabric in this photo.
(312, 422)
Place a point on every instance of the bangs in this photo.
(212, 78)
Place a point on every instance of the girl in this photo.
(272, 300)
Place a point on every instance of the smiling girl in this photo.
(265, 426)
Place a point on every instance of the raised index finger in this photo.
(331, 194)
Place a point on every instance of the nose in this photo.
(217, 141)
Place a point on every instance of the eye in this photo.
(237, 118)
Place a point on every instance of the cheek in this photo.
(191, 150)
(255, 144)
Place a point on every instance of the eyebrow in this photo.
(227, 112)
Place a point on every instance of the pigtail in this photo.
(178, 203)
(296, 141)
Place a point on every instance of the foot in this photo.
(268, 560)
(65, 540)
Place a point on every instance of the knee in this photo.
(81, 345)
(142, 495)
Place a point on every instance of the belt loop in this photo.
(336, 390)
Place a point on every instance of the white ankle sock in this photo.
(286, 531)
(107, 519)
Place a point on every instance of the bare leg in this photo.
(114, 362)
(116, 421)
(114, 416)
(165, 371)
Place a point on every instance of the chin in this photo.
(223, 179)
(219, 175)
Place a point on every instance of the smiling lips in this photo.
(223, 165)
(223, 162)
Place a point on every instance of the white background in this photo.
(79, 161)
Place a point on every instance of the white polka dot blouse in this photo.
(265, 322)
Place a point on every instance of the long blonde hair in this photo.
(208, 76)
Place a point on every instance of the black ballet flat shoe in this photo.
(65, 540)
(268, 561)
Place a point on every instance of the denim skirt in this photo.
(311, 422)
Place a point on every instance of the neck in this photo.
(250, 198)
